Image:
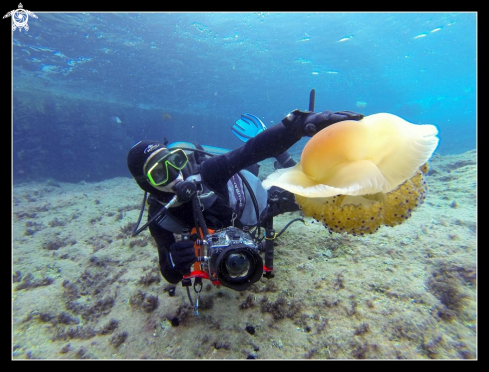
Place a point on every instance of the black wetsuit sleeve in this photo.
(216, 171)
(164, 239)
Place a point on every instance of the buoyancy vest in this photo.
(240, 202)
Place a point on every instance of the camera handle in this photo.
(188, 191)
(187, 282)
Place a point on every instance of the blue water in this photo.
(89, 85)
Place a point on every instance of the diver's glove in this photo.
(182, 256)
(312, 122)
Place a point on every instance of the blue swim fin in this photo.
(248, 127)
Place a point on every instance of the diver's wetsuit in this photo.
(215, 172)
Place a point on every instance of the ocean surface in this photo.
(87, 86)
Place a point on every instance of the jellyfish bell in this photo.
(352, 172)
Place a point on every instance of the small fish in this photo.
(306, 37)
(436, 29)
(166, 116)
(116, 119)
(420, 36)
(345, 39)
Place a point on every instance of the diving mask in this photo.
(164, 168)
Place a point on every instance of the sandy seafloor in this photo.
(82, 288)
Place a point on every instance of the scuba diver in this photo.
(193, 188)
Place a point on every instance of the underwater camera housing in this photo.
(231, 259)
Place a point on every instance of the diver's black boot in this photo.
(311, 122)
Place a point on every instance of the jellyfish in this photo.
(355, 176)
